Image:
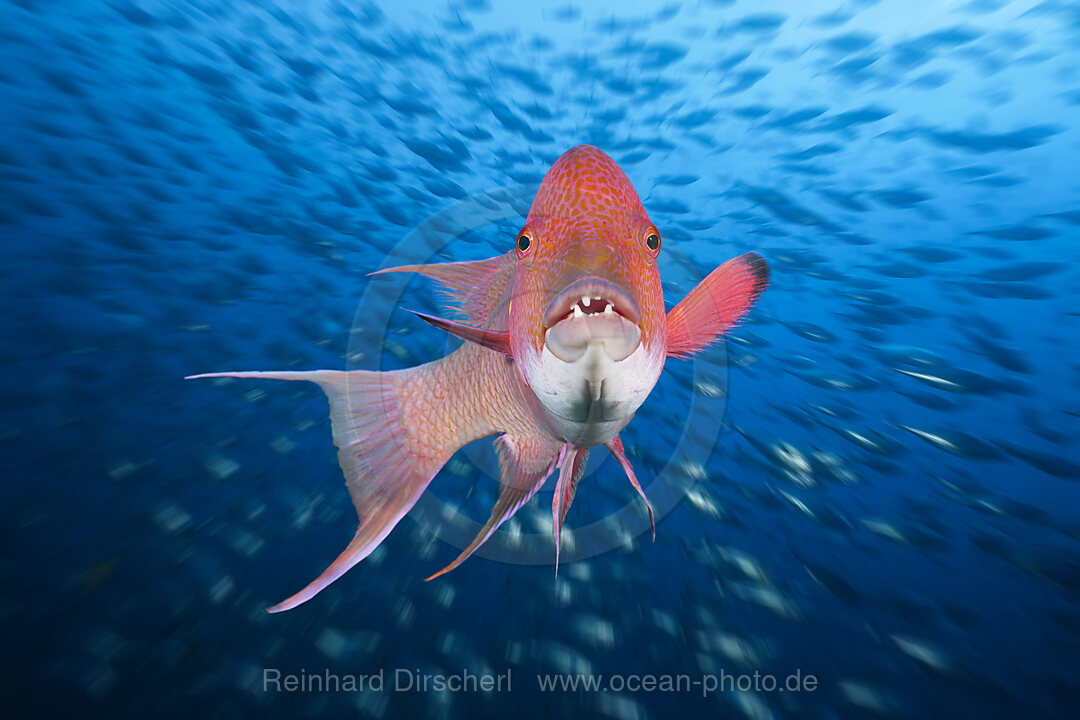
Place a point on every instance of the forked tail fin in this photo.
(385, 470)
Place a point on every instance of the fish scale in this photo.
(549, 379)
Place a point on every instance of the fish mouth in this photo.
(591, 296)
(592, 312)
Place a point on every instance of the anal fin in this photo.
(525, 462)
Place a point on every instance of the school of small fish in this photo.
(887, 497)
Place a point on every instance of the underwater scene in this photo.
(809, 268)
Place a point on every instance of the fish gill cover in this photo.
(878, 484)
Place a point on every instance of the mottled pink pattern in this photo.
(395, 430)
(586, 219)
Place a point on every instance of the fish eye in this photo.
(652, 241)
(524, 242)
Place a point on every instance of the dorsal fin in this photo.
(477, 292)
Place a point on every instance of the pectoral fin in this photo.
(571, 468)
(616, 448)
(716, 304)
(497, 341)
(525, 462)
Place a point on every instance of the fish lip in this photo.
(592, 286)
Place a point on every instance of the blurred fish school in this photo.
(891, 504)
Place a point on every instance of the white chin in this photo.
(591, 398)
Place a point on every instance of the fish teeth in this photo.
(578, 309)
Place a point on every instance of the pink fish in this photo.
(567, 335)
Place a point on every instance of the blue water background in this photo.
(203, 186)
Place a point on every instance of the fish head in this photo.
(587, 322)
